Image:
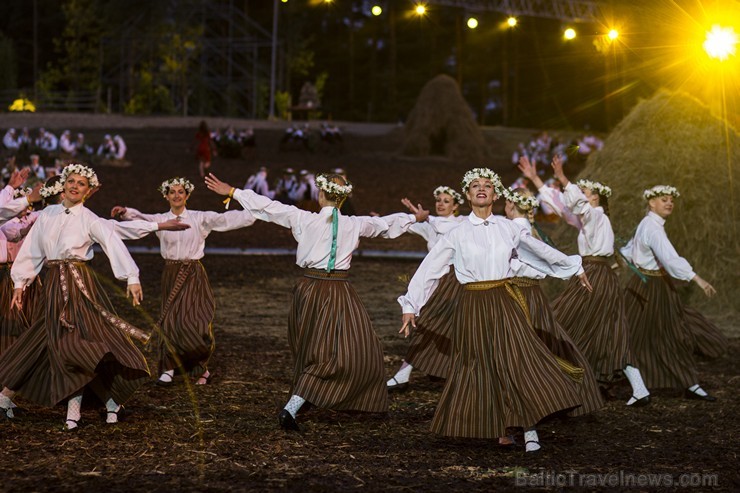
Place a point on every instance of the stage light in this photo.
(420, 9)
(569, 33)
(376, 10)
(613, 34)
(511, 21)
(472, 23)
(720, 42)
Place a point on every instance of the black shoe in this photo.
(74, 428)
(287, 422)
(163, 383)
(397, 387)
(688, 394)
(7, 413)
(642, 402)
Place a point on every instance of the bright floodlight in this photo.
(511, 21)
(420, 9)
(720, 42)
(376, 10)
(472, 23)
(613, 34)
(569, 33)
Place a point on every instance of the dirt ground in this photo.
(225, 437)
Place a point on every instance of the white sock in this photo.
(7, 404)
(167, 376)
(697, 390)
(401, 376)
(203, 377)
(73, 411)
(112, 408)
(294, 404)
(531, 441)
(638, 386)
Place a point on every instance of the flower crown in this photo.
(21, 192)
(476, 173)
(659, 191)
(455, 196)
(82, 170)
(595, 186)
(522, 201)
(333, 188)
(51, 190)
(164, 188)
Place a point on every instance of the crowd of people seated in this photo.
(543, 147)
(66, 145)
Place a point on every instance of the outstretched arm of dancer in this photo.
(529, 170)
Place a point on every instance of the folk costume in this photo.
(662, 340)
(596, 321)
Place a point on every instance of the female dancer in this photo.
(430, 342)
(203, 147)
(520, 206)
(339, 359)
(76, 342)
(188, 305)
(596, 322)
(661, 338)
(502, 375)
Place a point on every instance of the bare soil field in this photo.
(225, 436)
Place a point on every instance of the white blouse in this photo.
(434, 227)
(313, 230)
(13, 234)
(555, 201)
(484, 250)
(650, 249)
(189, 244)
(58, 235)
(596, 236)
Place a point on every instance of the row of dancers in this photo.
(112, 147)
(474, 309)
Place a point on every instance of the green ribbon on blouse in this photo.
(334, 229)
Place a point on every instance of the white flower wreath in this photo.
(51, 190)
(82, 170)
(164, 188)
(455, 196)
(595, 186)
(21, 192)
(659, 191)
(333, 188)
(476, 173)
(523, 202)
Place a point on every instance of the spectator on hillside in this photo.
(285, 186)
(10, 140)
(66, 144)
(120, 147)
(36, 167)
(47, 141)
(107, 149)
(81, 147)
(258, 183)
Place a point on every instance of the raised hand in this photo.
(557, 167)
(216, 185)
(528, 169)
(18, 177)
(118, 211)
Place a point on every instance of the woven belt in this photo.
(653, 273)
(335, 275)
(525, 282)
(186, 262)
(598, 259)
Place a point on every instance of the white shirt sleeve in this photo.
(132, 214)
(226, 221)
(542, 257)
(123, 266)
(134, 229)
(666, 254)
(434, 266)
(268, 210)
(13, 208)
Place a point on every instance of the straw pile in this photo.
(673, 139)
(441, 123)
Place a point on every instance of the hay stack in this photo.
(441, 123)
(674, 139)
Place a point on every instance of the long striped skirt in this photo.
(596, 321)
(561, 345)
(709, 341)
(502, 375)
(431, 348)
(662, 343)
(75, 342)
(338, 356)
(186, 339)
(13, 322)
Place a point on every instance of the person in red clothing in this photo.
(203, 148)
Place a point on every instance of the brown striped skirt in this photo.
(186, 339)
(502, 375)
(709, 341)
(73, 345)
(13, 322)
(596, 321)
(338, 356)
(430, 347)
(662, 343)
(561, 345)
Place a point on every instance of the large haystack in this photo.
(441, 123)
(674, 139)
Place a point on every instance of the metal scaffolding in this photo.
(565, 10)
